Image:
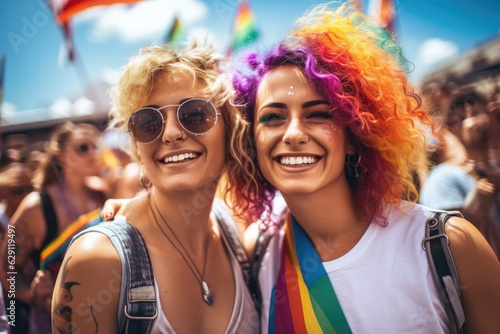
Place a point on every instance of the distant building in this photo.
(473, 75)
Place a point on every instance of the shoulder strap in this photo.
(436, 245)
(137, 306)
(49, 214)
(266, 233)
(233, 236)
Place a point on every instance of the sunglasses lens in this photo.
(197, 116)
(145, 125)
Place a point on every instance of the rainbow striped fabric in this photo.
(303, 299)
(58, 246)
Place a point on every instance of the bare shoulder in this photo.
(30, 210)
(479, 273)
(28, 224)
(466, 241)
(87, 289)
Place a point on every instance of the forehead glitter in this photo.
(291, 92)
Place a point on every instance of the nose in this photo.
(295, 133)
(172, 130)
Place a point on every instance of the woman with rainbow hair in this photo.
(339, 133)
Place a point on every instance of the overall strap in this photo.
(137, 306)
(444, 273)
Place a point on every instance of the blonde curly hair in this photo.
(200, 61)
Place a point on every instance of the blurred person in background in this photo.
(471, 185)
(15, 183)
(43, 216)
(493, 108)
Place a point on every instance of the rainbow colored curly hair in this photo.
(360, 69)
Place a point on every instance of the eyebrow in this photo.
(280, 105)
(176, 104)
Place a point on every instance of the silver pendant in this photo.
(207, 293)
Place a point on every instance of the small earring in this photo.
(141, 179)
(353, 168)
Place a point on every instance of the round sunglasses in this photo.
(196, 116)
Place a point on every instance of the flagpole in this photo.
(3, 58)
(84, 78)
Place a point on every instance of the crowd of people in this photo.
(47, 193)
(321, 143)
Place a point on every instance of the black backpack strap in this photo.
(49, 214)
(436, 245)
(137, 306)
(266, 233)
(260, 249)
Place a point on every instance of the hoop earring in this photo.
(141, 179)
(353, 168)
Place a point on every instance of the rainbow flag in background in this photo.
(59, 245)
(176, 32)
(244, 28)
(64, 10)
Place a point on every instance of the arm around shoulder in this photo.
(87, 290)
(479, 274)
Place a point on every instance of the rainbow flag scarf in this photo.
(56, 247)
(303, 299)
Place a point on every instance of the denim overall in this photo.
(137, 296)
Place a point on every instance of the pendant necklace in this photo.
(206, 291)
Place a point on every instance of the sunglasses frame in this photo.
(158, 110)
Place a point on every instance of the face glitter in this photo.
(291, 92)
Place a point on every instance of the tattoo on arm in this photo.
(95, 320)
(62, 310)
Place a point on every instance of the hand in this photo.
(41, 290)
(112, 207)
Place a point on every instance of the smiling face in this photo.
(176, 161)
(299, 147)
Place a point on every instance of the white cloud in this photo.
(434, 50)
(144, 20)
(83, 106)
(8, 108)
(60, 108)
(111, 76)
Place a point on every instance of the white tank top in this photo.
(383, 284)
(244, 318)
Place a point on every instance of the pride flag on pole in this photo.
(59, 245)
(245, 29)
(64, 10)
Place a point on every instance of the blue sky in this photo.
(37, 77)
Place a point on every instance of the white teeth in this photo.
(181, 157)
(297, 160)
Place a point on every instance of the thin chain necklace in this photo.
(206, 291)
